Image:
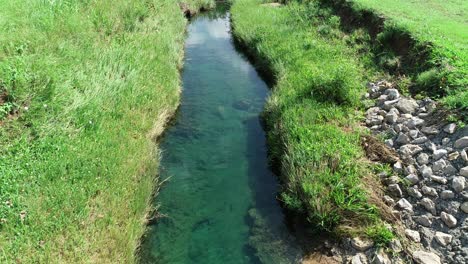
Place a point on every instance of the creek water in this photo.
(219, 202)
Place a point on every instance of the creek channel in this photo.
(219, 203)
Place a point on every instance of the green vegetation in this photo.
(312, 114)
(381, 235)
(85, 87)
(438, 26)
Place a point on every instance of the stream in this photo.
(219, 203)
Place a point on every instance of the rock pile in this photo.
(429, 186)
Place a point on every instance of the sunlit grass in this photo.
(442, 25)
(312, 114)
(92, 84)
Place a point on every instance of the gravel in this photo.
(429, 182)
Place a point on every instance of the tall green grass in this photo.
(438, 28)
(88, 85)
(312, 114)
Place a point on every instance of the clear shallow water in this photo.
(220, 199)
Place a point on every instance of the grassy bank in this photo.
(312, 115)
(434, 35)
(85, 87)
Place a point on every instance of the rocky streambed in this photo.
(428, 187)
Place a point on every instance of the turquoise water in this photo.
(219, 201)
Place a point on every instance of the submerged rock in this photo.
(271, 245)
(242, 105)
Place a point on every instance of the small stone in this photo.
(450, 170)
(422, 158)
(430, 130)
(425, 171)
(452, 207)
(393, 110)
(395, 189)
(464, 195)
(395, 246)
(445, 141)
(431, 107)
(458, 184)
(412, 178)
(429, 205)
(405, 205)
(410, 169)
(406, 116)
(392, 180)
(443, 238)
(389, 143)
(415, 122)
(453, 155)
(430, 146)
(429, 191)
(398, 167)
(388, 105)
(383, 175)
(464, 171)
(423, 220)
(391, 118)
(392, 93)
(447, 194)
(381, 257)
(439, 179)
(413, 235)
(406, 105)
(410, 150)
(464, 155)
(382, 98)
(413, 133)
(402, 139)
(464, 207)
(382, 112)
(413, 192)
(419, 140)
(439, 165)
(388, 200)
(439, 153)
(448, 219)
(450, 128)
(372, 111)
(398, 128)
(374, 120)
(422, 257)
(361, 244)
(359, 259)
(461, 143)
